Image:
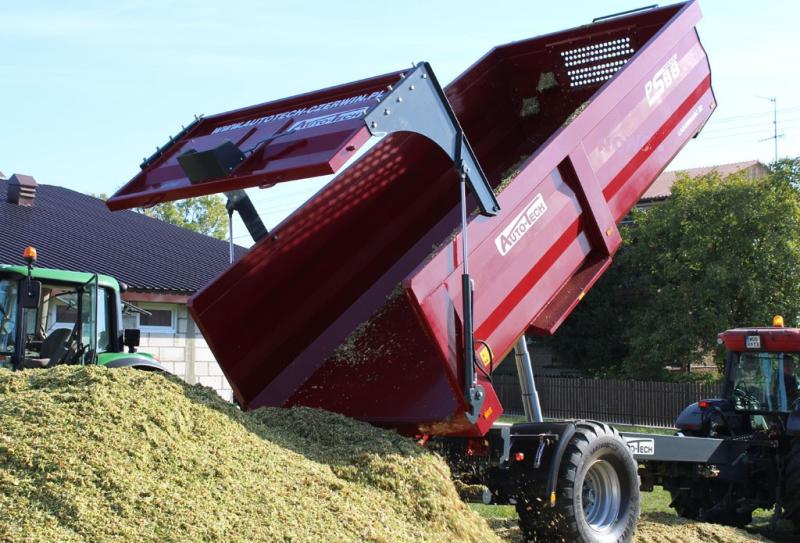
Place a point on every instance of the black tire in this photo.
(702, 500)
(791, 504)
(598, 462)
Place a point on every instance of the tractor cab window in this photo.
(766, 382)
(71, 325)
(8, 318)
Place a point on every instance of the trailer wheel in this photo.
(792, 481)
(597, 496)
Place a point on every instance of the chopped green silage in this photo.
(91, 454)
(547, 81)
(574, 114)
(530, 107)
(352, 351)
(510, 174)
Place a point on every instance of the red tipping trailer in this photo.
(354, 303)
(361, 302)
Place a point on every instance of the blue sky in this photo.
(89, 88)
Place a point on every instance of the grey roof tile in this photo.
(74, 231)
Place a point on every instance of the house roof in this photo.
(74, 231)
(662, 186)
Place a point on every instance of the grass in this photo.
(652, 502)
(514, 419)
(654, 505)
(494, 511)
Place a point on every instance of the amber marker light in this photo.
(29, 254)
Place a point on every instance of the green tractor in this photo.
(50, 317)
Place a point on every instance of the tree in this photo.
(204, 214)
(594, 337)
(719, 253)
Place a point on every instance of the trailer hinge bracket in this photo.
(417, 103)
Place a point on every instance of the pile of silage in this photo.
(668, 528)
(89, 454)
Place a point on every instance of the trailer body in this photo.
(353, 303)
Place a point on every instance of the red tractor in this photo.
(741, 452)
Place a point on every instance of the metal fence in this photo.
(616, 401)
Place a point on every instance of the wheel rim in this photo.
(602, 496)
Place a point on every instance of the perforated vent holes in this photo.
(593, 63)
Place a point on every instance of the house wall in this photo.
(181, 349)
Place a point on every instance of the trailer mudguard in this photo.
(354, 303)
(694, 418)
(526, 438)
(138, 363)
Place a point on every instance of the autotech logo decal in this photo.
(641, 446)
(520, 226)
(328, 119)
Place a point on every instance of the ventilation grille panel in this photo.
(596, 63)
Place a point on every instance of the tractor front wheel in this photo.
(597, 495)
(791, 504)
(705, 501)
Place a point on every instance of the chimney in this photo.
(21, 190)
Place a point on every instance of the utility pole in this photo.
(775, 134)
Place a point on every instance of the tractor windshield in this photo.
(8, 316)
(766, 382)
(71, 325)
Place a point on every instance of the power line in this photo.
(710, 128)
(759, 132)
(750, 115)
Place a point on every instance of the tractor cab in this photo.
(50, 317)
(761, 370)
(761, 387)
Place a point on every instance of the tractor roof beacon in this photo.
(393, 294)
(50, 317)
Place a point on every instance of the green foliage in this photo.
(787, 170)
(593, 338)
(719, 253)
(204, 214)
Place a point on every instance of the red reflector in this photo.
(519, 457)
(703, 404)
(477, 447)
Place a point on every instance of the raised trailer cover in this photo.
(354, 303)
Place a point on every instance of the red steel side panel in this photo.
(354, 304)
(316, 133)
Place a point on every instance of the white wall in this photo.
(182, 350)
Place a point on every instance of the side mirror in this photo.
(31, 293)
(131, 339)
